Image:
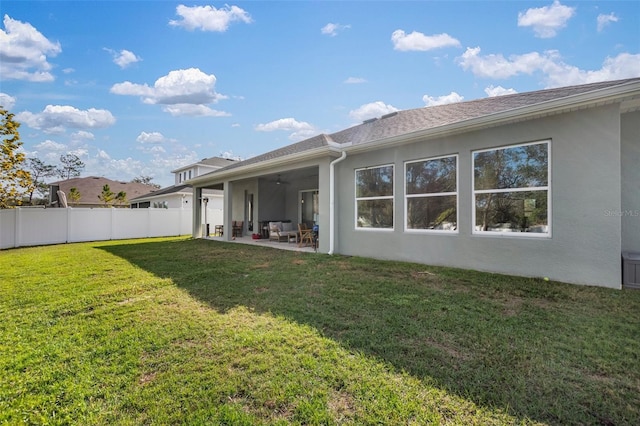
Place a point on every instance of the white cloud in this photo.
(451, 98)
(185, 91)
(332, 29)
(191, 110)
(155, 149)
(208, 18)
(82, 135)
(49, 152)
(300, 129)
(124, 58)
(371, 110)
(497, 66)
(604, 20)
(547, 20)
(493, 91)
(24, 51)
(625, 65)
(287, 124)
(103, 155)
(7, 101)
(50, 145)
(420, 42)
(55, 118)
(99, 162)
(151, 142)
(355, 80)
(68, 70)
(550, 64)
(152, 137)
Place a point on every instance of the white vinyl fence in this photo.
(34, 226)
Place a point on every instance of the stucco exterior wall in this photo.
(630, 162)
(585, 242)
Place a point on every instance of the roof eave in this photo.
(222, 175)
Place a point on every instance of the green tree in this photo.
(14, 179)
(74, 195)
(39, 171)
(72, 166)
(121, 198)
(106, 196)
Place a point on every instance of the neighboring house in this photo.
(540, 184)
(179, 195)
(90, 188)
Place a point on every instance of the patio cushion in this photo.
(275, 226)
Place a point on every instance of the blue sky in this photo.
(143, 87)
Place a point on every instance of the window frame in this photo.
(407, 196)
(385, 197)
(546, 188)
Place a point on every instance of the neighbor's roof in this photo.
(90, 187)
(407, 122)
(173, 189)
(217, 162)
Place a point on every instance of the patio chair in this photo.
(237, 228)
(306, 234)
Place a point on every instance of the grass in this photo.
(179, 331)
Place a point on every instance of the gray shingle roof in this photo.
(413, 120)
(305, 145)
(216, 161)
(164, 191)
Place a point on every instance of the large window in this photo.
(432, 194)
(511, 190)
(374, 197)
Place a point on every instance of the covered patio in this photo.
(291, 195)
(291, 246)
(292, 185)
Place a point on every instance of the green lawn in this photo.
(168, 331)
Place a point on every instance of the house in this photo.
(179, 195)
(539, 184)
(90, 189)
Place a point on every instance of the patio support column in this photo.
(196, 225)
(227, 210)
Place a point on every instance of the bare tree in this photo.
(72, 166)
(39, 171)
(146, 180)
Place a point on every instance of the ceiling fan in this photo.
(281, 182)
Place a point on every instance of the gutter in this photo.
(332, 199)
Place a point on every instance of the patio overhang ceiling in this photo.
(266, 167)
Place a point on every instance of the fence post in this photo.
(17, 234)
(113, 224)
(68, 212)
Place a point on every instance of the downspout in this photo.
(332, 199)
